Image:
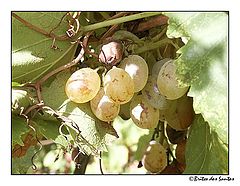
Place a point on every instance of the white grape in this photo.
(167, 82)
(180, 113)
(83, 85)
(118, 85)
(155, 158)
(152, 95)
(137, 68)
(158, 65)
(143, 114)
(103, 108)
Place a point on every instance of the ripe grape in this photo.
(174, 168)
(118, 85)
(180, 113)
(83, 85)
(167, 82)
(152, 95)
(111, 52)
(175, 136)
(137, 68)
(155, 158)
(180, 152)
(162, 114)
(171, 169)
(143, 114)
(103, 108)
(158, 65)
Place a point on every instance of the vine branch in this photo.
(39, 30)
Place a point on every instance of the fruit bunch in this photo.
(148, 96)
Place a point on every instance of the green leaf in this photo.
(203, 64)
(32, 55)
(48, 128)
(21, 165)
(16, 84)
(127, 127)
(111, 160)
(61, 140)
(97, 133)
(19, 128)
(20, 100)
(143, 143)
(205, 154)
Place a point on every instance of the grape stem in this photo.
(162, 134)
(156, 132)
(152, 46)
(42, 31)
(118, 21)
(113, 28)
(100, 163)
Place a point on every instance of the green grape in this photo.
(143, 114)
(103, 108)
(155, 158)
(158, 65)
(180, 113)
(167, 82)
(83, 85)
(162, 114)
(137, 68)
(152, 95)
(118, 85)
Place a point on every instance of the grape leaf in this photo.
(20, 100)
(96, 132)
(143, 143)
(48, 128)
(203, 64)
(205, 154)
(19, 128)
(32, 55)
(126, 127)
(21, 165)
(112, 162)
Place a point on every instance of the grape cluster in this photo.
(147, 96)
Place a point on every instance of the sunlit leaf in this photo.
(32, 55)
(203, 64)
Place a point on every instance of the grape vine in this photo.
(97, 84)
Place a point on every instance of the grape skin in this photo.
(180, 152)
(158, 65)
(143, 114)
(180, 113)
(83, 85)
(152, 95)
(137, 68)
(118, 85)
(103, 108)
(167, 82)
(155, 158)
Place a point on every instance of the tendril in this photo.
(100, 163)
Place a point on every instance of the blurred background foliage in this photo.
(123, 155)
